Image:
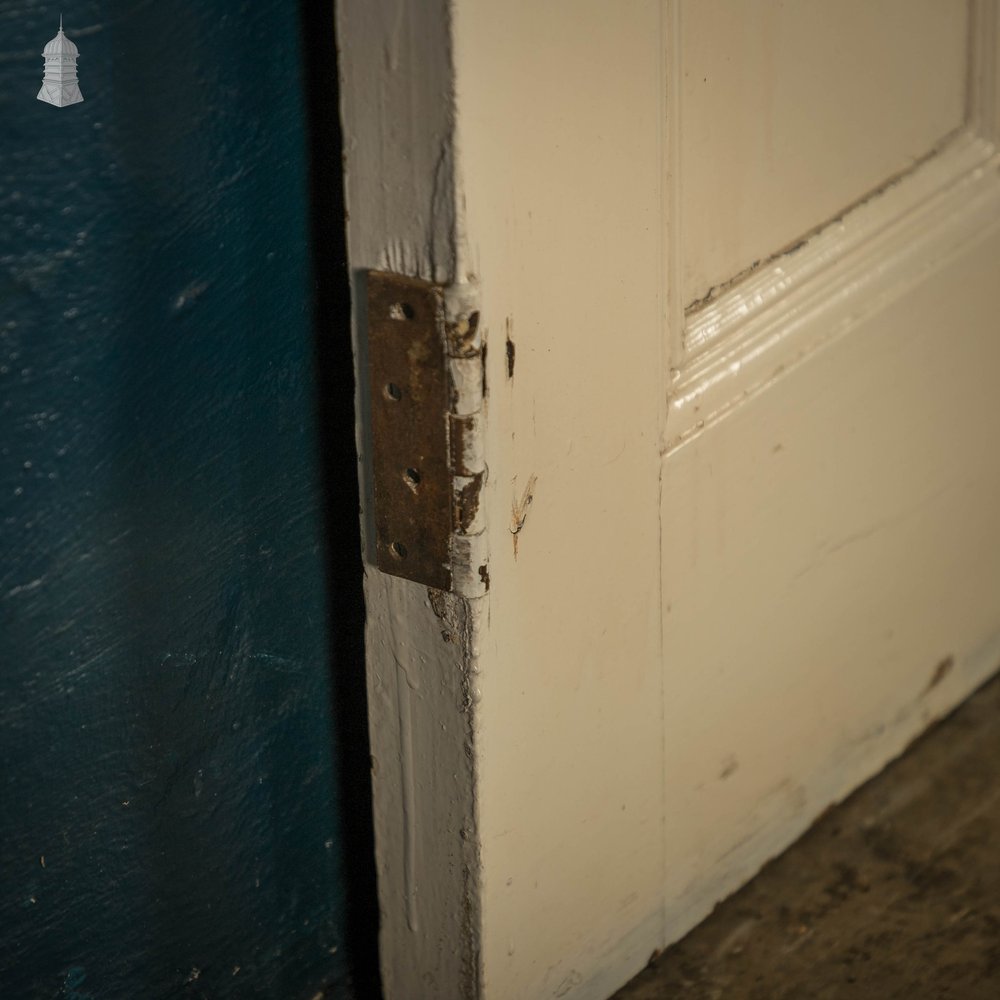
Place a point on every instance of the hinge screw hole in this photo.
(398, 549)
(393, 392)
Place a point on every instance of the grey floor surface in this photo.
(895, 893)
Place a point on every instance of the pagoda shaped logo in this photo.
(59, 85)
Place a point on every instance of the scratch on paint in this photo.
(941, 671)
(519, 509)
(572, 980)
(189, 294)
(24, 588)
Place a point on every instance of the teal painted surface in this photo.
(172, 815)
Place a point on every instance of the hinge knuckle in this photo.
(425, 349)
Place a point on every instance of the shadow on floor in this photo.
(895, 893)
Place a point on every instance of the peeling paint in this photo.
(465, 444)
(462, 333)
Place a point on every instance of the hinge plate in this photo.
(409, 394)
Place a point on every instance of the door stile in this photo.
(397, 109)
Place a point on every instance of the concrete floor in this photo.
(895, 893)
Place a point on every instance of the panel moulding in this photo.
(727, 349)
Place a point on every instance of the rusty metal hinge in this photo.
(425, 354)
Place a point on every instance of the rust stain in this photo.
(466, 504)
(409, 392)
(458, 428)
(510, 349)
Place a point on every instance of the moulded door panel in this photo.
(790, 113)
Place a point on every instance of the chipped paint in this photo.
(519, 510)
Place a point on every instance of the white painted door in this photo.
(735, 267)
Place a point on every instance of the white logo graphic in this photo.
(59, 86)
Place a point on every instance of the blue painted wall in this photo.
(179, 667)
